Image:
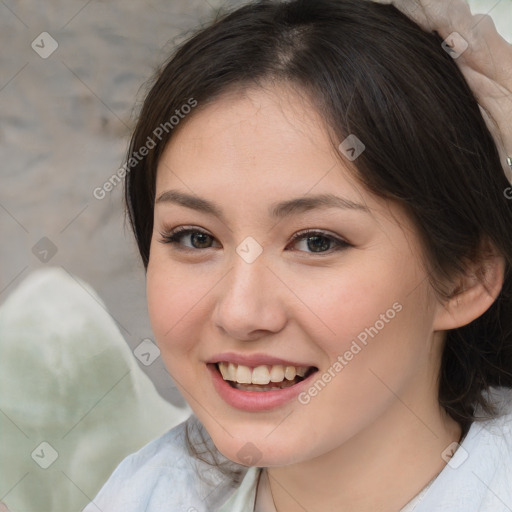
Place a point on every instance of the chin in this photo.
(257, 451)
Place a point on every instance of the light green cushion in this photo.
(68, 378)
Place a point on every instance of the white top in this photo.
(265, 503)
(163, 477)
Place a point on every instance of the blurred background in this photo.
(72, 77)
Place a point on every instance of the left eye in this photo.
(318, 242)
(311, 241)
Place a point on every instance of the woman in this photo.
(321, 211)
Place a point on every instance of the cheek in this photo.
(369, 361)
(171, 302)
(346, 303)
(180, 303)
(173, 299)
(381, 344)
(373, 321)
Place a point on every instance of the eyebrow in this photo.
(277, 210)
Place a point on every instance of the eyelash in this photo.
(175, 235)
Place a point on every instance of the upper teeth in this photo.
(261, 374)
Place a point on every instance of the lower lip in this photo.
(255, 400)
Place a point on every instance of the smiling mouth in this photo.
(263, 377)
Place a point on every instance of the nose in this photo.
(249, 304)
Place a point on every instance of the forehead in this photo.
(259, 145)
(259, 133)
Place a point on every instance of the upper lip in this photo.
(254, 360)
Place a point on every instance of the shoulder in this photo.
(478, 477)
(493, 435)
(163, 474)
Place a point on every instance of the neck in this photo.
(379, 470)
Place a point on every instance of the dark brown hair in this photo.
(372, 72)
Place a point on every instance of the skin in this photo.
(373, 437)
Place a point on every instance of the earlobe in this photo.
(473, 294)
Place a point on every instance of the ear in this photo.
(474, 293)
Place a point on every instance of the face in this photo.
(284, 260)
